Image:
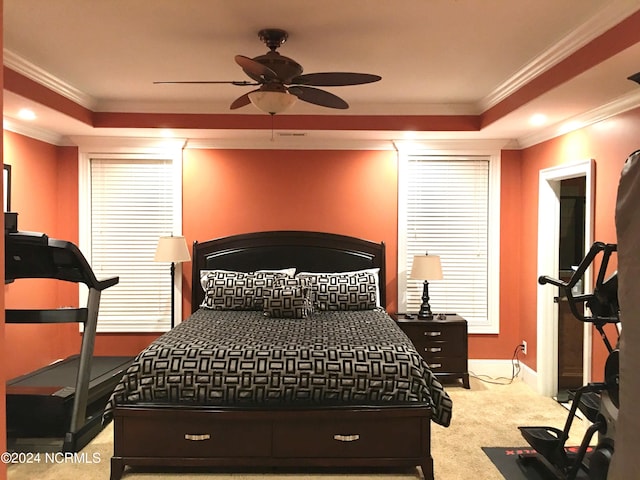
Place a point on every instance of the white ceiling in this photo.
(450, 57)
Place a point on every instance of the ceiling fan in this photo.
(281, 81)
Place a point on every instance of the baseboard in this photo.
(491, 368)
(529, 376)
(503, 369)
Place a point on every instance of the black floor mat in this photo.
(507, 461)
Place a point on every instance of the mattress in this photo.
(243, 359)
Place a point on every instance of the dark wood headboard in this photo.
(306, 251)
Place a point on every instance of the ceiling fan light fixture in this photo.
(272, 102)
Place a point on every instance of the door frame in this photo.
(548, 258)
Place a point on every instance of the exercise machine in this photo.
(598, 401)
(58, 407)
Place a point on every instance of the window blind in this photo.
(132, 205)
(446, 203)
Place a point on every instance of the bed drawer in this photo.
(190, 438)
(396, 437)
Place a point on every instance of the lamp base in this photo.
(425, 312)
(425, 309)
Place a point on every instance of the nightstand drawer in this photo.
(435, 332)
(439, 349)
(447, 364)
(442, 342)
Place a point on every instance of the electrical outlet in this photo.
(523, 346)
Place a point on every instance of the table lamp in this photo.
(426, 267)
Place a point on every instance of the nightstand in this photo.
(441, 342)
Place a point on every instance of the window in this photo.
(449, 206)
(127, 203)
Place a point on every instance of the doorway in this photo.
(570, 254)
(549, 263)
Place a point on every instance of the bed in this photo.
(296, 373)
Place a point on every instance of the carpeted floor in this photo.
(487, 415)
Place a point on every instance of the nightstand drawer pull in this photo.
(432, 334)
(435, 365)
(197, 438)
(346, 438)
(433, 349)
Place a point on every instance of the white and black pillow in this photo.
(290, 301)
(289, 272)
(229, 290)
(356, 290)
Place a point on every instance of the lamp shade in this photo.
(272, 101)
(426, 267)
(172, 249)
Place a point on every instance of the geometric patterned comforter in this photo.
(244, 359)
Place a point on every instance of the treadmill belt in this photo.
(64, 373)
(40, 403)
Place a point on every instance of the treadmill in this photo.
(58, 408)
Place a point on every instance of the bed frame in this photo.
(163, 436)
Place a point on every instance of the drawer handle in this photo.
(346, 438)
(432, 334)
(433, 349)
(197, 438)
(435, 365)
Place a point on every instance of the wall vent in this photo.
(292, 134)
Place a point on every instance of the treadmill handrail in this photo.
(35, 255)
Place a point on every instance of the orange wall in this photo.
(609, 144)
(354, 193)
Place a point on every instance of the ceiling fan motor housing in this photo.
(285, 68)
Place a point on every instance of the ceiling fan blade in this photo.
(241, 101)
(254, 69)
(335, 79)
(318, 97)
(242, 83)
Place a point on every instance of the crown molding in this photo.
(484, 146)
(128, 145)
(613, 13)
(619, 105)
(53, 83)
(36, 133)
